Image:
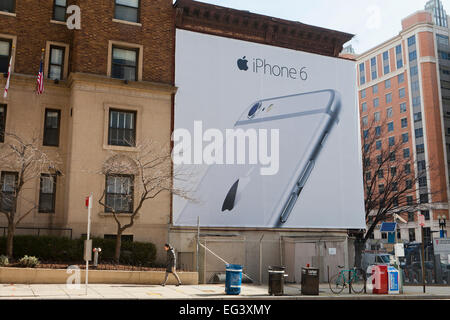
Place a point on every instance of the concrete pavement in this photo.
(217, 292)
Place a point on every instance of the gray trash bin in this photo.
(310, 281)
(276, 281)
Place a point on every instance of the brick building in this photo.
(119, 65)
(403, 85)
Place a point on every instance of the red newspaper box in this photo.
(380, 279)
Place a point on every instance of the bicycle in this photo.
(355, 278)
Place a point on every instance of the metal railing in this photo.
(38, 229)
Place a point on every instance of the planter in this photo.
(60, 276)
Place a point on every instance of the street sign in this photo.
(399, 250)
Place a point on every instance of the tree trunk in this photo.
(10, 240)
(118, 245)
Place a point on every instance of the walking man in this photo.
(171, 264)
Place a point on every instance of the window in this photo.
(405, 137)
(122, 128)
(398, 55)
(56, 63)
(51, 127)
(124, 237)
(124, 63)
(366, 134)
(393, 171)
(412, 234)
(399, 232)
(377, 116)
(376, 102)
(362, 74)
(378, 145)
(381, 188)
(380, 174)
(427, 235)
(366, 148)
(417, 116)
(375, 89)
(424, 198)
(411, 41)
(383, 236)
(392, 156)
(413, 55)
(403, 107)
(365, 121)
(404, 122)
(426, 214)
(391, 141)
(387, 84)
(8, 190)
(401, 78)
(420, 148)
(379, 159)
(415, 86)
(419, 132)
(406, 153)
(423, 182)
(441, 39)
(408, 184)
(368, 176)
(414, 70)
(401, 93)
(7, 5)
(119, 193)
(395, 186)
(386, 67)
(2, 122)
(363, 93)
(389, 112)
(421, 165)
(59, 10)
(390, 126)
(409, 201)
(416, 101)
(5, 55)
(127, 10)
(389, 98)
(373, 68)
(364, 107)
(407, 168)
(377, 131)
(47, 193)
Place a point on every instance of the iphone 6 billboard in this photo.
(269, 137)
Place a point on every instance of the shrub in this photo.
(65, 250)
(28, 262)
(4, 261)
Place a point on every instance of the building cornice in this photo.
(244, 25)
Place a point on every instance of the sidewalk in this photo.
(114, 291)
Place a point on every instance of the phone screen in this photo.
(256, 200)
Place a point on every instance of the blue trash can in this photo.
(233, 279)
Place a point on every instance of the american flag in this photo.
(5, 94)
(40, 78)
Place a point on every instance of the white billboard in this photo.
(271, 135)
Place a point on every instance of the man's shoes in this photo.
(163, 284)
(178, 284)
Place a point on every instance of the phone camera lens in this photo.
(254, 110)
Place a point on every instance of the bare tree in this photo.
(134, 178)
(25, 161)
(392, 180)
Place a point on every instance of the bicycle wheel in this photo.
(337, 283)
(358, 281)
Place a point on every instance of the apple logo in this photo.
(242, 64)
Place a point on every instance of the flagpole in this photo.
(40, 81)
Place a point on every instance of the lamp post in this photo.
(442, 225)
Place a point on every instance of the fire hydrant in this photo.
(96, 253)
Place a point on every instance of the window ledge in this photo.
(136, 24)
(11, 14)
(119, 148)
(120, 215)
(58, 22)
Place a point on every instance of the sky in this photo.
(372, 21)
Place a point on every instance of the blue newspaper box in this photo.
(394, 280)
